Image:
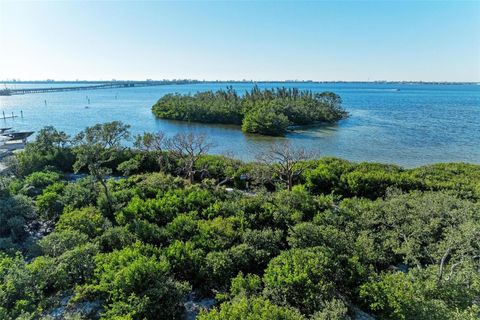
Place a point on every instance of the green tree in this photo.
(326, 176)
(266, 122)
(34, 183)
(81, 193)
(50, 203)
(152, 143)
(50, 148)
(300, 278)
(397, 296)
(98, 146)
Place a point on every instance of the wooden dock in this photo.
(108, 85)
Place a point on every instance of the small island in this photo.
(261, 111)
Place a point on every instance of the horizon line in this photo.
(233, 80)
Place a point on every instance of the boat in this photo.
(13, 135)
(13, 140)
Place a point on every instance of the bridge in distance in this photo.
(107, 85)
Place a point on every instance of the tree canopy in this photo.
(267, 111)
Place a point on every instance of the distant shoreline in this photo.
(193, 81)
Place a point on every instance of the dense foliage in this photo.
(339, 239)
(268, 111)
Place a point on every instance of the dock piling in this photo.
(5, 117)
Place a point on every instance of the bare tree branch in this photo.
(285, 161)
(188, 148)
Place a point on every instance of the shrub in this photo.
(253, 308)
(58, 242)
(15, 212)
(186, 261)
(136, 284)
(115, 238)
(50, 203)
(87, 220)
(300, 278)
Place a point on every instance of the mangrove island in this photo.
(261, 111)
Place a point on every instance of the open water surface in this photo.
(405, 124)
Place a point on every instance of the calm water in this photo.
(419, 124)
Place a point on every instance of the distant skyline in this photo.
(282, 40)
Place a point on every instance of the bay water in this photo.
(400, 123)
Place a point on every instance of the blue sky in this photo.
(263, 40)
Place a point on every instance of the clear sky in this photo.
(316, 40)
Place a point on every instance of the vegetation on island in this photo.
(90, 229)
(267, 111)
